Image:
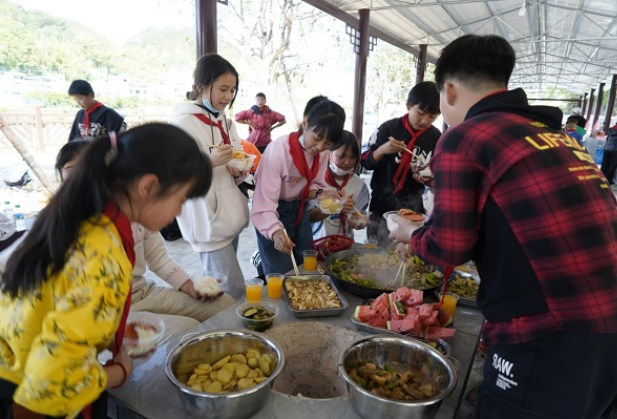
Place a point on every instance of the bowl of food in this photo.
(257, 315)
(142, 333)
(392, 376)
(241, 161)
(408, 214)
(330, 205)
(209, 283)
(359, 219)
(225, 374)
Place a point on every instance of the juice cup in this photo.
(310, 260)
(254, 289)
(275, 285)
(449, 303)
(370, 243)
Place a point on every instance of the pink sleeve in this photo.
(268, 181)
(242, 115)
(277, 117)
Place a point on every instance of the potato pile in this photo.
(232, 373)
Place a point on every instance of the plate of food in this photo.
(241, 161)
(313, 296)
(330, 205)
(369, 272)
(408, 214)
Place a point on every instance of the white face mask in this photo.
(338, 171)
(301, 139)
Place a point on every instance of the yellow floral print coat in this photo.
(49, 339)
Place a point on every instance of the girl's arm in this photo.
(159, 261)
(268, 184)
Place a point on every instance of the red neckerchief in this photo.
(219, 124)
(297, 154)
(87, 117)
(403, 167)
(123, 225)
(330, 180)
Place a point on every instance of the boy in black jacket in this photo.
(396, 146)
(94, 119)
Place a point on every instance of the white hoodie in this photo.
(212, 222)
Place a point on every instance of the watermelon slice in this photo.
(430, 320)
(398, 310)
(379, 320)
(364, 313)
(425, 310)
(401, 294)
(440, 332)
(411, 323)
(415, 298)
(381, 304)
(443, 318)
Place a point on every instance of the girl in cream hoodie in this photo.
(213, 223)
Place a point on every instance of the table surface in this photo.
(150, 394)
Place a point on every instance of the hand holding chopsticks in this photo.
(291, 253)
(405, 149)
(344, 194)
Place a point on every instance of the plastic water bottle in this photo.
(8, 209)
(20, 218)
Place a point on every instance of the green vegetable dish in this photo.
(463, 287)
(257, 318)
(384, 271)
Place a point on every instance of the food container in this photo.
(200, 278)
(325, 312)
(242, 162)
(330, 205)
(258, 325)
(210, 347)
(385, 276)
(434, 341)
(359, 219)
(463, 300)
(142, 334)
(393, 225)
(331, 244)
(403, 353)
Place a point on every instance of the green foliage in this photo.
(50, 99)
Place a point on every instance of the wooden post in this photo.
(206, 36)
(421, 64)
(590, 105)
(38, 128)
(25, 154)
(357, 122)
(610, 104)
(584, 107)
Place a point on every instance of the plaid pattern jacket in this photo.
(529, 205)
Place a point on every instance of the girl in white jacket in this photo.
(212, 224)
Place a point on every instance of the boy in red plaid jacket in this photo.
(528, 204)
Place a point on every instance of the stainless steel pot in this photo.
(395, 350)
(208, 348)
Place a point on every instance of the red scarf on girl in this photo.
(330, 180)
(87, 117)
(299, 159)
(403, 167)
(219, 124)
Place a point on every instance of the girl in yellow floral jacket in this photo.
(64, 296)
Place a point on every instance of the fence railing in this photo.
(40, 129)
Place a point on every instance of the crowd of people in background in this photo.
(503, 197)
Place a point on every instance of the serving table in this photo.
(149, 394)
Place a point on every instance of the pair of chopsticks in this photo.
(413, 153)
(444, 289)
(342, 192)
(293, 259)
(402, 267)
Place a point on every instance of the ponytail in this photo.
(103, 172)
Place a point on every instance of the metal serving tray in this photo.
(326, 312)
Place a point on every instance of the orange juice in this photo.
(449, 303)
(275, 285)
(310, 260)
(370, 243)
(254, 289)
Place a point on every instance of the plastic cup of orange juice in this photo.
(254, 289)
(370, 243)
(275, 285)
(310, 260)
(449, 302)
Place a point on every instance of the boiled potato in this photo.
(264, 365)
(239, 358)
(221, 362)
(224, 376)
(252, 361)
(215, 387)
(242, 371)
(260, 379)
(245, 383)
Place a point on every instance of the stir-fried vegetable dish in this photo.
(463, 287)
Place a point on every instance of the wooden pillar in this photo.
(205, 23)
(610, 104)
(596, 114)
(421, 64)
(589, 107)
(360, 79)
(584, 107)
(38, 124)
(580, 102)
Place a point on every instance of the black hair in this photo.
(348, 139)
(80, 87)
(325, 118)
(426, 96)
(260, 94)
(99, 177)
(68, 152)
(209, 68)
(475, 60)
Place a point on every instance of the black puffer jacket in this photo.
(611, 139)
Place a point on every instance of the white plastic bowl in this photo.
(245, 164)
(143, 345)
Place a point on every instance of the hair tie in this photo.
(113, 151)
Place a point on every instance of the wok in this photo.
(360, 290)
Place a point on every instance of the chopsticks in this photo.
(293, 259)
(413, 153)
(342, 192)
(444, 289)
(402, 267)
